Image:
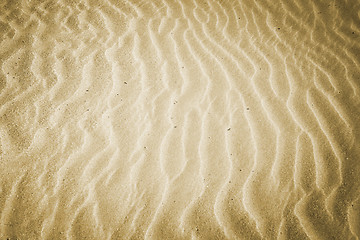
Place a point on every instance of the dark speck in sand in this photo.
(228, 129)
(247, 108)
(278, 28)
(125, 82)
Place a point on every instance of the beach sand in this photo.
(174, 119)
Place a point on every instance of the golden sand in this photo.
(172, 119)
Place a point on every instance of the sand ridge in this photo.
(179, 119)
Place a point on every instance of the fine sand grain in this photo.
(171, 119)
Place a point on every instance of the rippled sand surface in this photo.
(180, 119)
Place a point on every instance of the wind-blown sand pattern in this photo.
(180, 119)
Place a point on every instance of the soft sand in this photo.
(179, 119)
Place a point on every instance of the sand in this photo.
(179, 119)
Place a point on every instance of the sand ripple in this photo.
(179, 119)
